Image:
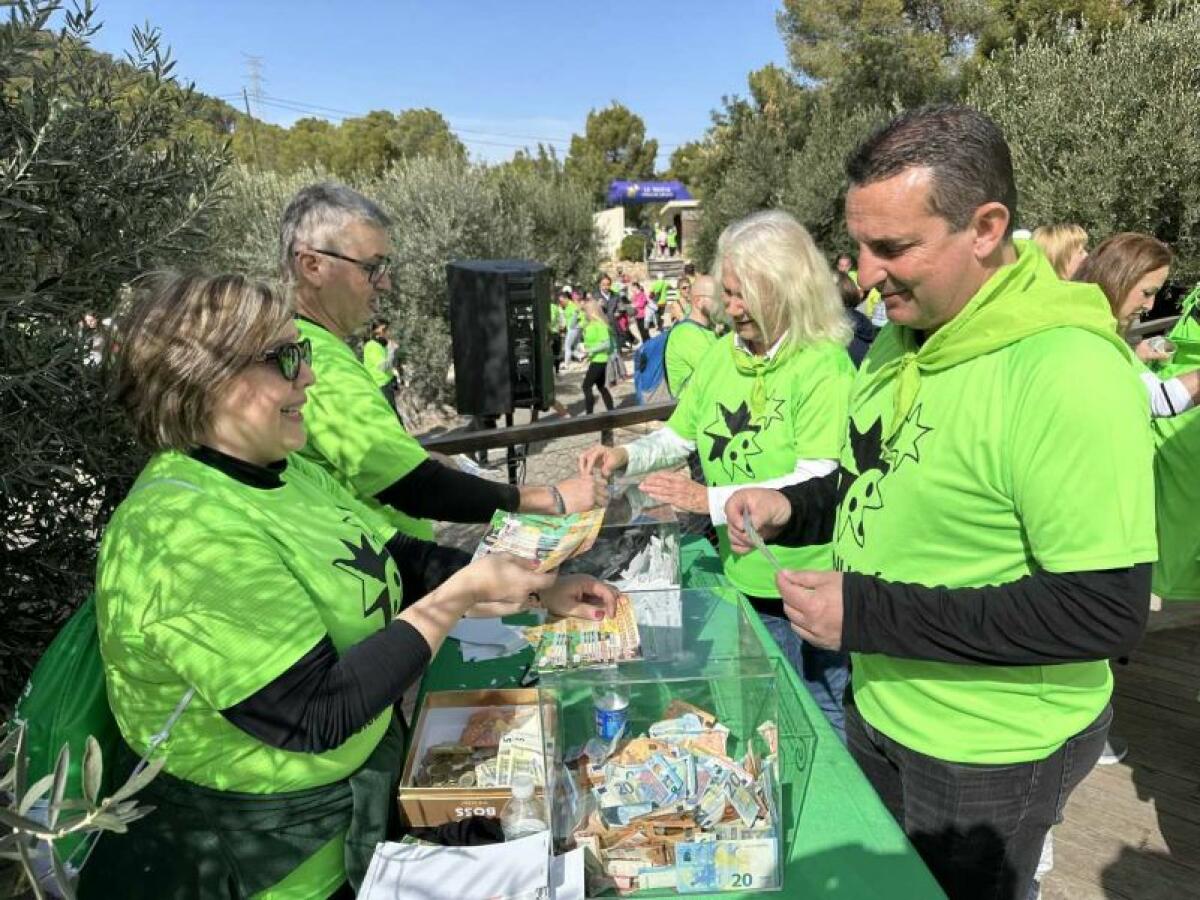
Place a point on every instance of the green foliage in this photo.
(100, 179)
(1105, 130)
(360, 146)
(613, 146)
(633, 248)
(33, 841)
(815, 186)
(882, 52)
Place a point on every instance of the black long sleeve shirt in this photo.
(1043, 618)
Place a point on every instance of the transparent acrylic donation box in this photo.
(681, 772)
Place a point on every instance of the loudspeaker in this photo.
(500, 329)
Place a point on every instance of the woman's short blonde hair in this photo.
(179, 343)
(1060, 243)
(786, 282)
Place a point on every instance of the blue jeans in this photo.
(825, 672)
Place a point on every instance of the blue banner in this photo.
(646, 192)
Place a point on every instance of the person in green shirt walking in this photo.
(992, 517)
(766, 405)
(241, 584)
(335, 251)
(599, 344)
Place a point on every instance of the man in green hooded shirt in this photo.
(992, 519)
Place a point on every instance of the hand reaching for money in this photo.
(581, 596)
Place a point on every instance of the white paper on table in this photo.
(487, 638)
(513, 870)
(566, 876)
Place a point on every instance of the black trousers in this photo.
(979, 828)
(641, 328)
(595, 378)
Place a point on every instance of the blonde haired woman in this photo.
(1065, 245)
(767, 406)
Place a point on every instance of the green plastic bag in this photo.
(64, 702)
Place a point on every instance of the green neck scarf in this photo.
(1019, 300)
(758, 366)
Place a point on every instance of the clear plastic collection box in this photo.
(667, 769)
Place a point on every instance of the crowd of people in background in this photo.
(947, 441)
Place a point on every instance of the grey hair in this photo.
(317, 213)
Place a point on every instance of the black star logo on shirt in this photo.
(367, 561)
(861, 491)
(734, 439)
(910, 434)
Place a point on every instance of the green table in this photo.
(842, 842)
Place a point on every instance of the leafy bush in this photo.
(99, 181)
(633, 248)
(1104, 129)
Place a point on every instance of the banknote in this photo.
(745, 865)
(695, 867)
(758, 543)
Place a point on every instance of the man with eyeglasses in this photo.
(335, 250)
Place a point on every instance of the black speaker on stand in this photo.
(500, 331)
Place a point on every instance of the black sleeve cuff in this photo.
(814, 511)
(435, 491)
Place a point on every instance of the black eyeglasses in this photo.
(375, 270)
(289, 357)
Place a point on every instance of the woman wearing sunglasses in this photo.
(242, 576)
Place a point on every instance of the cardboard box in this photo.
(442, 717)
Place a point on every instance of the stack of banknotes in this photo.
(575, 643)
(673, 810)
(496, 744)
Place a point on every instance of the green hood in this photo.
(1019, 300)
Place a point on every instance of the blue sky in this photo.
(503, 73)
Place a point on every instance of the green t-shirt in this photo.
(658, 290)
(687, 342)
(353, 433)
(571, 314)
(597, 341)
(375, 359)
(205, 582)
(1032, 456)
(1176, 487)
(802, 416)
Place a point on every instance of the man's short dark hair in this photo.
(689, 269)
(964, 149)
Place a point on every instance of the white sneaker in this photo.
(1115, 749)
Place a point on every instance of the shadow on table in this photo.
(853, 871)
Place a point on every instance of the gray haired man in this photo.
(335, 254)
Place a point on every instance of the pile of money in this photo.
(575, 643)
(673, 810)
(496, 744)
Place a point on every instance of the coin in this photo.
(466, 779)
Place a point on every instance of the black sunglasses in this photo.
(375, 270)
(289, 357)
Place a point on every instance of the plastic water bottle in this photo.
(522, 815)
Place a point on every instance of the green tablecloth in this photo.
(843, 843)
